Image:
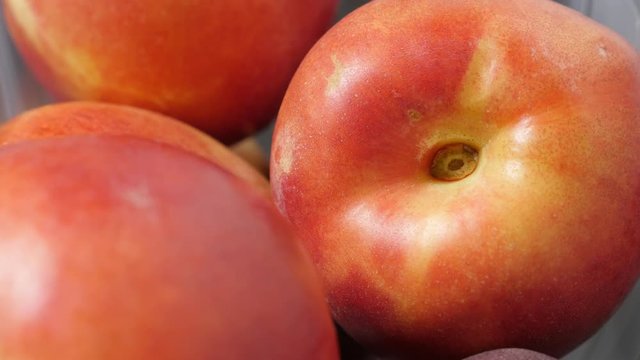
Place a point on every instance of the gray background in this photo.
(619, 339)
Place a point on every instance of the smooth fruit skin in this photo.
(222, 66)
(534, 249)
(120, 248)
(82, 118)
(510, 354)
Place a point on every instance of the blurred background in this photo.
(619, 339)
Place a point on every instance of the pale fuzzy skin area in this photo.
(538, 246)
(82, 118)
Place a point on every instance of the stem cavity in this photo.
(454, 162)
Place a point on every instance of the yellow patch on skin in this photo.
(83, 72)
(75, 65)
(366, 222)
(426, 237)
(485, 76)
(334, 80)
(86, 77)
(82, 69)
(25, 17)
(287, 149)
(286, 159)
(167, 98)
(362, 219)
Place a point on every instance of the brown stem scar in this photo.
(454, 162)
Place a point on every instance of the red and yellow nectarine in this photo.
(464, 174)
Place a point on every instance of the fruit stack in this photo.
(448, 179)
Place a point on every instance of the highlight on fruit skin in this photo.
(86, 117)
(221, 66)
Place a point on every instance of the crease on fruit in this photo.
(364, 219)
(485, 76)
(432, 233)
(485, 80)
